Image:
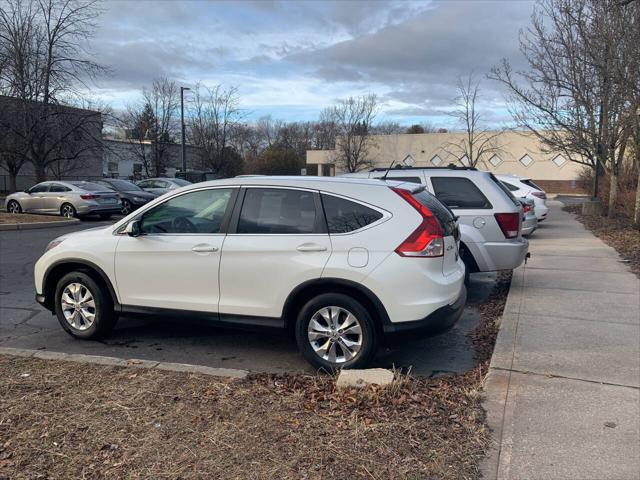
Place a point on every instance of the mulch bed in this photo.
(6, 218)
(67, 420)
(615, 232)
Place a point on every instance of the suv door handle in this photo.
(203, 248)
(311, 247)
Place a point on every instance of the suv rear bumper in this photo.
(437, 322)
(505, 255)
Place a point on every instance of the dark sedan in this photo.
(131, 195)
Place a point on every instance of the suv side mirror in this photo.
(133, 228)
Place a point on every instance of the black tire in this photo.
(105, 216)
(368, 333)
(68, 210)
(14, 207)
(104, 316)
(126, 208)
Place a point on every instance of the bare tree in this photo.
(576, 94)
(478, 143)
(44, 65)
(387, 127)
(353, 119)
(214, 116)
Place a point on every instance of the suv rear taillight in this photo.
(541, 195)
(428, 239)
(88, 196)
(509, 223)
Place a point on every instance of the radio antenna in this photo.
(384, 177)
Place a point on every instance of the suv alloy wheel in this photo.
(82, 306)
(335, 331)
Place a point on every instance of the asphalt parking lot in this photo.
(25, 324)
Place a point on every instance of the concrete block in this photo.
(361, 378)
(17, 352)
(96, 359)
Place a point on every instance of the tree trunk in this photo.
(636, 213)
(13, 181)
(613, 193)
(41, 176)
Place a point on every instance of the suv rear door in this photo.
(277, 240)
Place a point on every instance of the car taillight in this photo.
(428, 239)
(509, 223)
(526, 208)
(88, 196)
(541, 195)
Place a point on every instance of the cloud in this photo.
(304, 55)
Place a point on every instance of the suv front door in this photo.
(277, 240)
(174, 262)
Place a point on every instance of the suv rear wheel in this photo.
(83, 307)
(334, 331)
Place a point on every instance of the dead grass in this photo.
(66, 420)
(9, 218)
(615, 232)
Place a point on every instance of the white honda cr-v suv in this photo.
(342, 262)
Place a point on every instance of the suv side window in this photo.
(344, 216)
(459, 192)
(195, 212)
(274, 210)
(40, 188)
(56, 187)
(144, 184)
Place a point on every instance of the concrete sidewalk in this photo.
(563, 391)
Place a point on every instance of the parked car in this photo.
(69, 199)
(489, 215)
(131, 195)
(342, 262)
(524, 187)
(529, 219)
(160, 186)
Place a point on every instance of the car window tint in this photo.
(345, 216)
(43, 187)
(196, 212)
(56, 187)
(160, 184)
(144, 184)
(458, 192)
(272, 210)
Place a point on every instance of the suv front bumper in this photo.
(437, 322)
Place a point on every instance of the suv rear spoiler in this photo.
(409, 186)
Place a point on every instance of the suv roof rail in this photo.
(451, 166)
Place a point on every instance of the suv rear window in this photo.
(511, 187)
(459, 192)
(442, 213)
(344, 216)
(504, 188)
(531, 184)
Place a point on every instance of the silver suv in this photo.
(490, 217)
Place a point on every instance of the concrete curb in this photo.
(122, 362)
(496, 384)
(35, 226)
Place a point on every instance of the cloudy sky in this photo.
(291, 59)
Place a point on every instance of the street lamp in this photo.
(184, 146)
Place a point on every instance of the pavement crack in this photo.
(551, 375)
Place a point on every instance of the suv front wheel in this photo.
(83, 307)
(334, 331)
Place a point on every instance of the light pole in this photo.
(184, 145)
